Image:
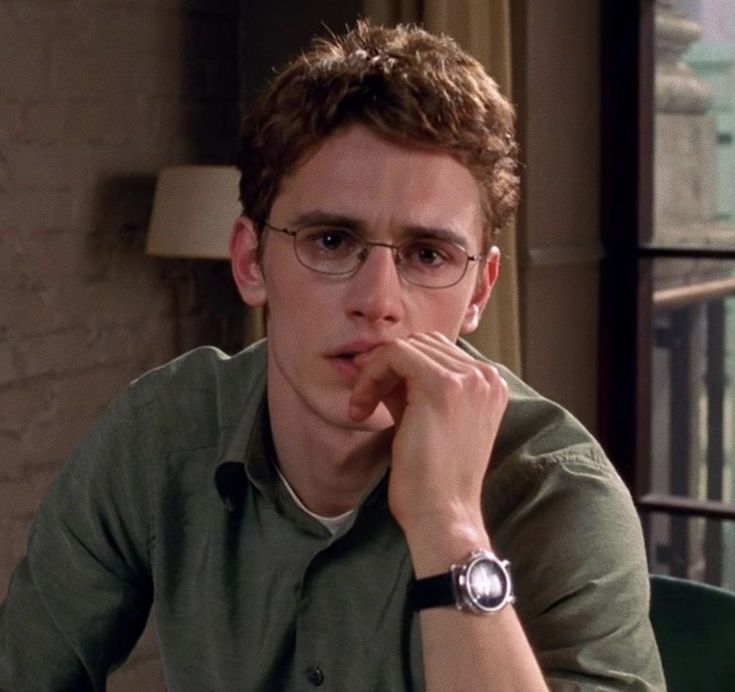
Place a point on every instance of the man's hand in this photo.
(447, 407)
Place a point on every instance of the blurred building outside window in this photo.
(692, 416)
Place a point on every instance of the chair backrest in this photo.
(694, 625)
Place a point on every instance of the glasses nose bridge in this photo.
(368, 245)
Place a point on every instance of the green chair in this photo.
(694, 626)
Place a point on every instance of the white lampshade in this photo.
(193, 212)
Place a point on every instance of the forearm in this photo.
(462, 650)
(472, 652)
(448, 407)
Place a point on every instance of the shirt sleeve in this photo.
(569, 527)
(79, 600)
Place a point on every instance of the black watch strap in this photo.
(432, 592)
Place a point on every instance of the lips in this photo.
(351, 349)
(342, 357)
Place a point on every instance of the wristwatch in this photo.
(481, 584)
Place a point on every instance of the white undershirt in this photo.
(335, 525)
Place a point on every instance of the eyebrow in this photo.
(412, 232)
(318, 216)
(417, 232)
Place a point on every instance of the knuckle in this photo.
(478, 379)
(453, 383)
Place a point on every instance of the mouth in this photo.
(348, 357)
(348, 352)
(343, 357)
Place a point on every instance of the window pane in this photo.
(694, 124)
(692, 376)
(692, 548)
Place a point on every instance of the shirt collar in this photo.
(250, 459)
(247, 458)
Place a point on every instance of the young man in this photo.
(335, 505)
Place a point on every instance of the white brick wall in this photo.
(95, 97)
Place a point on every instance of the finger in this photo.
(383, 370)
(371, 387)
(421, 361)
(454, 358)
(443, 351)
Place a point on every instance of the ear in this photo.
(486, 279)
(246, 268)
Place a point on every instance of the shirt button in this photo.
(315, 676)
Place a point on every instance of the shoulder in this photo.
(557, 509)
(548, 471)
(171, 424)
(203, 376)
(192, 403)
(551, 497)
(192, 399)
(539, 434)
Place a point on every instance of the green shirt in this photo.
(173, 502)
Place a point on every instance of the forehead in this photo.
(382, 185)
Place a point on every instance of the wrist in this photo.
(436, 543)
(481, 584)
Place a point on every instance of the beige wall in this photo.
(95, 96)
(556, 86)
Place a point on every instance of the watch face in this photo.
(487, 584)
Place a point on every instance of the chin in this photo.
(372, 424)
(380, 420)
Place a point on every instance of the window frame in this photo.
(626, 224)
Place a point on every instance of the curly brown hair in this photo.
(403, 83)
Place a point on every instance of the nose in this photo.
(375, 292)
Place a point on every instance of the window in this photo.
(669, 293)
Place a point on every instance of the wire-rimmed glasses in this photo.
(430, 262)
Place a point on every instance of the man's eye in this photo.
(331, 240)
(328, 240)
(429, 254)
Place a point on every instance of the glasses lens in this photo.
(329, 249)
(429, 262)
(432, 262)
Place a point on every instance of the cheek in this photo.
(445, 314)
(295, 310)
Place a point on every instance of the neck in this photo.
(329, 468)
